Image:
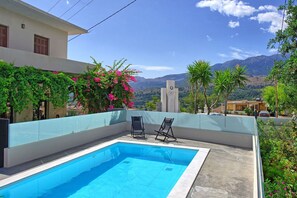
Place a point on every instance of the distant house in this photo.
(240, 105)
(30, 36)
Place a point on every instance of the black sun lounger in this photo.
(165, 128)
(137, 127)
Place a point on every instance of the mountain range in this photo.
(256, 67)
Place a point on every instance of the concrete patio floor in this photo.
(226, 172)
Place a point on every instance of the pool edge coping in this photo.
(180, 189)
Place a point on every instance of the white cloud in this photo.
(267, 8)
(154, 68)
(265, 13)
(233, 24)
(208, 38)
(274, 18)
(229, 7)
(235, 49)
(273, 51)
(223, 55)
(237, 53)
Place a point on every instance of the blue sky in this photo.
(160, 37)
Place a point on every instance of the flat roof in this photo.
(244, 102)
(41, 16)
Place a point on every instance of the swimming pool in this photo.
(114, 169)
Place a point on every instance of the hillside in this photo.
(256, 66)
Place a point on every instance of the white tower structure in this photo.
(169, 97)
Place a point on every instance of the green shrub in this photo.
(279, 158)
(248, 111)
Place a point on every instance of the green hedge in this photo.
(279, 158)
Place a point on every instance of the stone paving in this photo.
(226, 172)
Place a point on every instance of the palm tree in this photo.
(228, 81)
(239, 77)
(204, 77)
(193, 80)
(223, 84)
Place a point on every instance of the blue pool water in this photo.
(119, 170)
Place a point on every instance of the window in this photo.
(40, 45)
(3, 36)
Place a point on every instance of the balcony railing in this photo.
(21, 58)
(28, 132)
(34, 131)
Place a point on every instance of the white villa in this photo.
(30, 36)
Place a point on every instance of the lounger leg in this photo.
(173, 134)
(165, 136)
(157, 136)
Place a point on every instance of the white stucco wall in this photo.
(23, 39)
(20, 58)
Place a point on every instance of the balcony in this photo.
(21, 58)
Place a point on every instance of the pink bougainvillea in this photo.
(111, 97)
(100, 89)
(118, 73)
(111, 107)
(126, 88)
(55, 72)
(127, 78)
(133, 78)
(74, 79)
(130, 104)
(97, 79)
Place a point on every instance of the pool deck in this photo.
(227, 171)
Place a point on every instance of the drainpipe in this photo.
(4, 123)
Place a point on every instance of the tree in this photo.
(152, 104)
(225, 82)
(201, 78)
(100, 90)
(193, 80)
(269, 97)
(286, 43)
(187, 104)
(275, 76)
(204, 79)
(228, 81)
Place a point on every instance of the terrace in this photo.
(231, 169)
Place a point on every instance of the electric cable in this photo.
(80, 10)
(54, 5)
(105, 19)
(70, 8)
